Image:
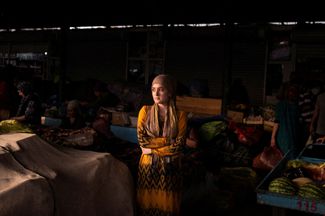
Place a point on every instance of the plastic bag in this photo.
(268, 158)
(247, 135)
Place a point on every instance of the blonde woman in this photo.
(161, 135)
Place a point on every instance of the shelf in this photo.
(31, 63)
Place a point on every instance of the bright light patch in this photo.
(87, 27)
(179, 25)
(155, 25)
(290, 23)
(275, 23)
(204, 25)
(51, 29)
(121, 26)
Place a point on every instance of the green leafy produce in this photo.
(9, 126)
(211, 129)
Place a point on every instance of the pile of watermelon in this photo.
(299, 179)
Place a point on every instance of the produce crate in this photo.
(125, 133)
(258, 121)
(48, 121)
(314, 153)
(120, 118)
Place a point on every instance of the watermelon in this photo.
(296, 163)
(312, 191)
(282, 185)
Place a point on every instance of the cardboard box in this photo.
(133, 121)
(205, 106)
(120, 118)
(125, 133)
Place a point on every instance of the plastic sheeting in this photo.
(21, 188)
(37, 178)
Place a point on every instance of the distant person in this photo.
(74, 118)
(103, 98)
(287, 127)
(30, 108)
(102, 123)
(199, 88)
(317, 125)
(307, 100)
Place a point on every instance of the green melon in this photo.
(312, 191)
(282, 185)
(296, 163)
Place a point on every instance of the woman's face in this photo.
(71, 112)
(160, 94)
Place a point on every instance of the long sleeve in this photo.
(179, 141)
(162, 145)
(144, 139)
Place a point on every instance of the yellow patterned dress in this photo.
(159, 175)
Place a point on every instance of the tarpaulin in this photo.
(64, 181)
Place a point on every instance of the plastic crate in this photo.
(314, 153)
(48, 121)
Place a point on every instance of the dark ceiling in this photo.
(157, 12)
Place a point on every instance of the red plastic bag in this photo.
(247, 135)
(268, 158)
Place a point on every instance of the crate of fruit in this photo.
(297, 184)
